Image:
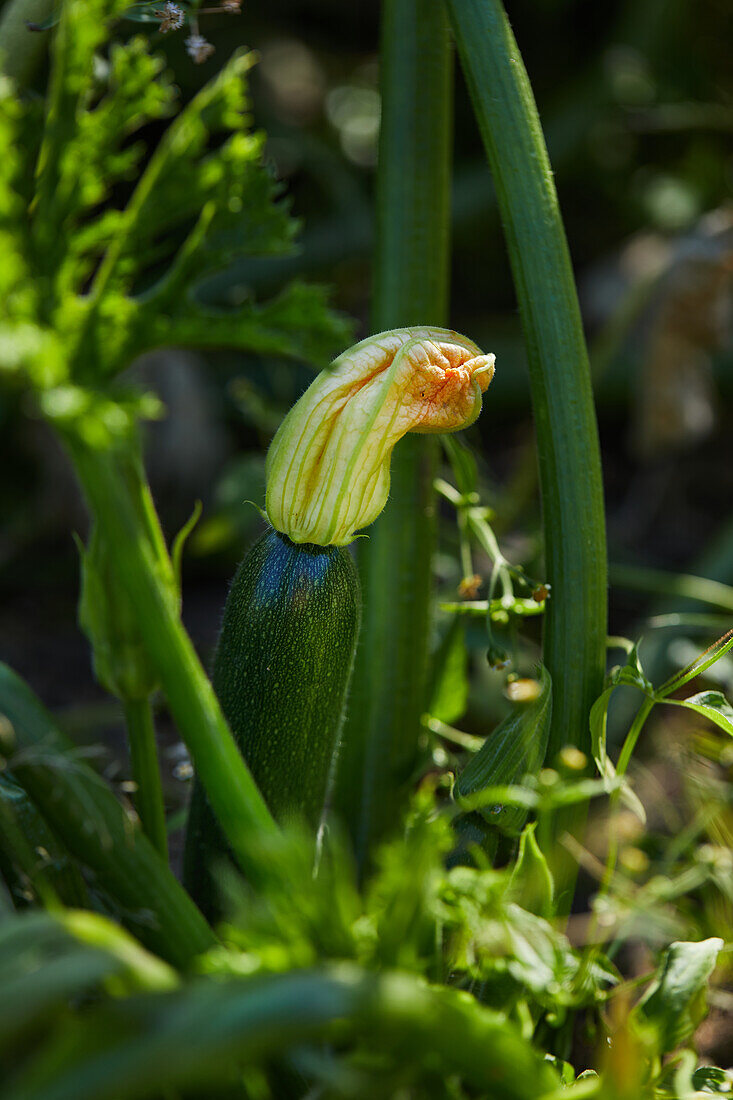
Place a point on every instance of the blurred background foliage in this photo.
(637, 104)
(636, 99)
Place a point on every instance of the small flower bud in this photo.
(328, 467)
(171, 16)
(497, 657)
(468, 588)
(540, 593)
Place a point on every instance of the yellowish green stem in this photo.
(148, 795)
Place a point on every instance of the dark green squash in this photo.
(281, 673)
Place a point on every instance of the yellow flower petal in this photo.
(328, 465)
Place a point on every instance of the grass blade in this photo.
(567, 437)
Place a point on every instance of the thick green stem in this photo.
(234, 797)
(21, 49)
(146, 772)
(567, 438)
(410, 288)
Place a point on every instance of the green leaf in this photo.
(541, 960)
(449, 693)
(221, 199)
(713, 1081)
(675, 1003)
(34, 851)
(564, 1069)
(516, 748)
(81, 153)
(697, 667)
(87, 818)
(531, 885)
(47, 959)
(558, 795)
(44, 972)
(295, 324)
(191, 1038)
(493, 800)
(87, 286)
(712, 705)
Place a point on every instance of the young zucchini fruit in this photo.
(281, 672)
(289, 630)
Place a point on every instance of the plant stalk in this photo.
(567, 437)
(234, 797)
(146, 772)
(380, 744)
(622, 765)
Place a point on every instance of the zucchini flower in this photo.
(328, 467)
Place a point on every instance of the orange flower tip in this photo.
(328, 467)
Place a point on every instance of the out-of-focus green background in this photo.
(637, 103)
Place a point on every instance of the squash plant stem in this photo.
(567, 436)
(234, 797)
(380, 743)
(148, 795)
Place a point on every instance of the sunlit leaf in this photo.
(531, 884)
(676, 1001)
(712, 705)
(103, 260)
(697, 667)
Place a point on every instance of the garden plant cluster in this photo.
(378, 896)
